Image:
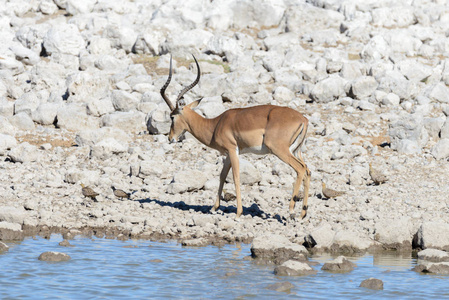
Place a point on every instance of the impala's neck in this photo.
(201, 128)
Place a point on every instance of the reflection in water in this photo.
(102, 268)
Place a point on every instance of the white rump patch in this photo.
(294, 148)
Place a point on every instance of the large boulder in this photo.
(363, 87)
(276, 248)
(12, 214)
(433, 235)
(45, 113)
(328, 89)
(10, 231)
(63, 39)
(408, 134)
(433, 255)
(24, 152)
(394, 234)
(321, 237)
(350, 242)
(74, 117)
(159, 121)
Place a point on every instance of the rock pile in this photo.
(80, 103)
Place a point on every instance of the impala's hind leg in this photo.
(302, 175)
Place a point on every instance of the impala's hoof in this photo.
(303, 214)
(292, 216)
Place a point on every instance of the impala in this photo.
(260, 129)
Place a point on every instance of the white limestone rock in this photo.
(321, 237)
(11, 64)
(444, 133)
(363, 87)
(276, 248)
(433, 235)
(438, 92)
(63, 39)
(249, 174)
(85, 87)
(25, 55)
(186, 181)
(329, 89)
(100, 107)
(391, 99)
(48, 7)
(6, 107)
(435, 126)
(414, 70)
(12, 214)
(24, 152)
(131, 121)
(110, 64)
(27, 103)
(99, 45)
(74, 117)
(377, 48)
(394, 234)
(408, 134)
(7, 142)
(121, 37)
(90, 137)
(350, 242)
(45, 114)
(76, 176)
(211, 107)
(441, 149)
(108, 147)
(22, 121)
(154, 167)
(77, 7)
(283, 94)
(433, 255)
(159, 121)
(124, 101)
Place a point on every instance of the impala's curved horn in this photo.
(188, 88)
(170, 105)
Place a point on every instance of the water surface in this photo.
(111, 269)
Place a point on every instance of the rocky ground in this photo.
(80, 103)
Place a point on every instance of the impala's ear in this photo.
(194, 104)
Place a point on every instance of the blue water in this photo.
(139, 269)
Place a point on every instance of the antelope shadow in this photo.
(253, 210)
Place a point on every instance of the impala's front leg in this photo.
(223, 174)
(234, 157)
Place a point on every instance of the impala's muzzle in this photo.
(173, 139)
